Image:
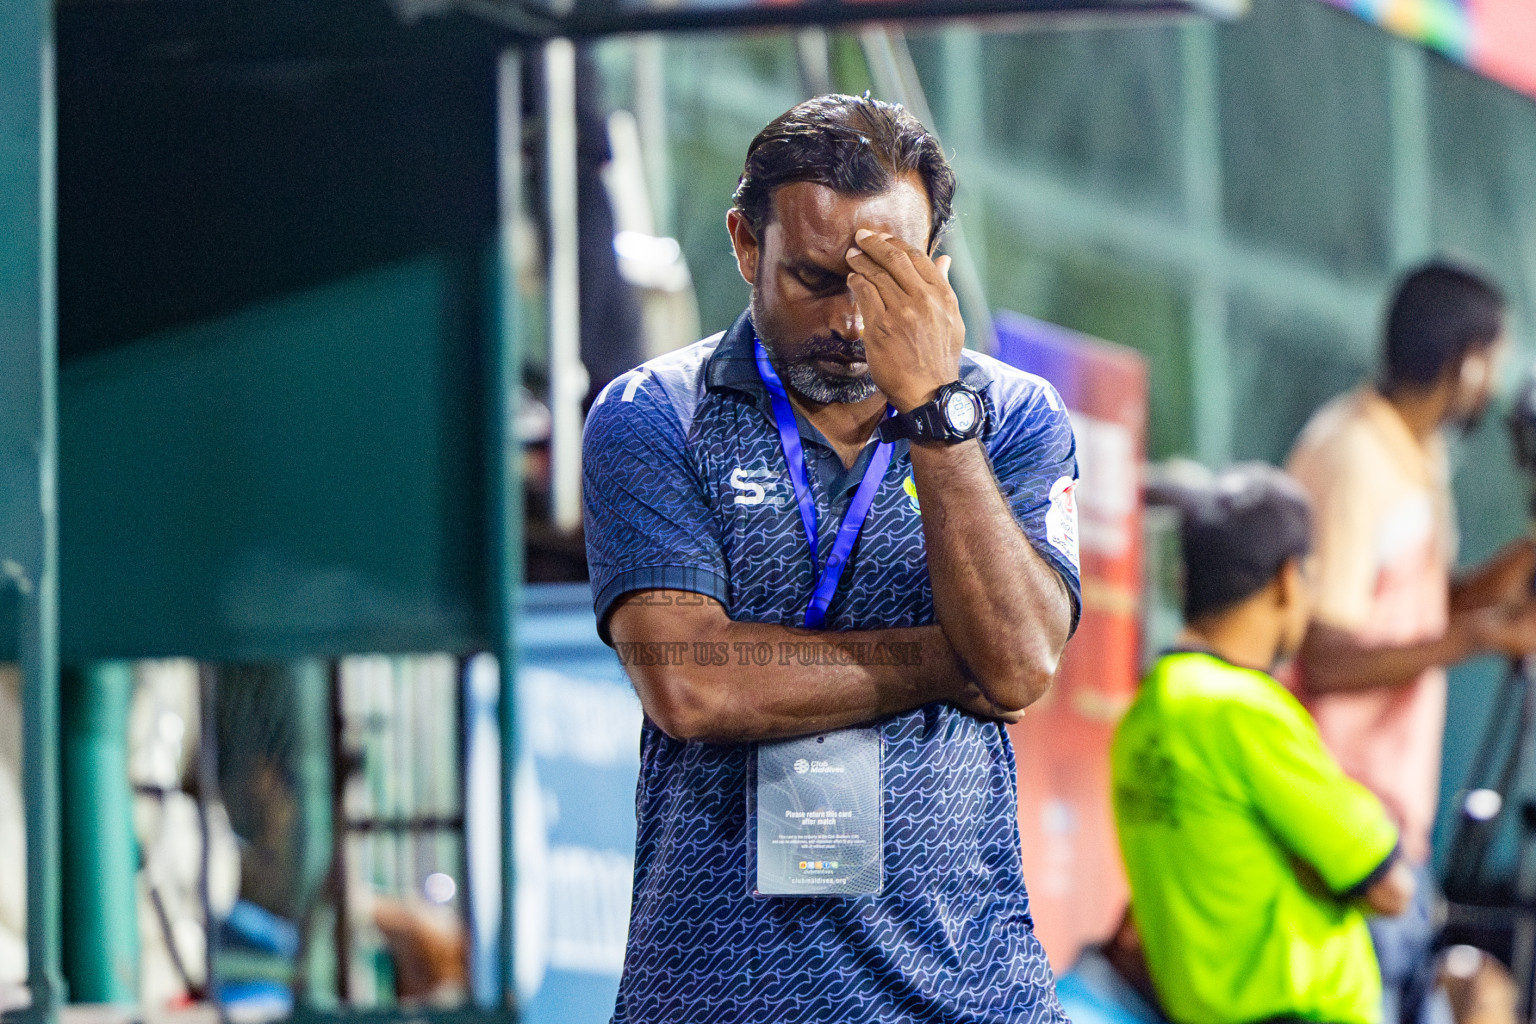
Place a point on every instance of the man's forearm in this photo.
(1504, 577)
(731, 682)
(1005, 610)
(1335, 661)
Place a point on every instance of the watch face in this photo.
(962, 411)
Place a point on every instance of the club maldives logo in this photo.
(910, 486)
(802, 766)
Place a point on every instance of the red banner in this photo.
(1071, 858)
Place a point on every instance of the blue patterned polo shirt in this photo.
(686, 488)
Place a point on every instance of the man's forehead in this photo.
(814, 217)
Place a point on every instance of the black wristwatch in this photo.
(956, 414)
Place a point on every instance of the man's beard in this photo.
(1467, 422)
(824, 388)
(810, 380)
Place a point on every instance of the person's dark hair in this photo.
(1439, 313)
(851, 144)
(1238, 531)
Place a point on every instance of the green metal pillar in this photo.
(101, 939)
(1412, 188)
(28, 453)
(506, 483)
(964, 132)
(1210, 355)
(311, 682)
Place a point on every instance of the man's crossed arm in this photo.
(699, 677)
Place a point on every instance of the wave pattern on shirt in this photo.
(949, 938)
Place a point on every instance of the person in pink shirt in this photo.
(1390, 615)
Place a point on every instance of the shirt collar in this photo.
(733, 364)
(1187, 648)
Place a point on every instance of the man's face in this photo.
(801, 305)
(1476, 383)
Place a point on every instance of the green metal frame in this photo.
(95, 737)
(538, 19)
(505, 555)
(506, 488)
(28, 451)
(99, 858)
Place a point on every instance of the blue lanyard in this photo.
(858, 508)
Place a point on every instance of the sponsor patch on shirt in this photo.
(757, 487)
(1061, 518)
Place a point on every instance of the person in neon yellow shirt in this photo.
(1252, 857)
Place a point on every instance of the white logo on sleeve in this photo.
(1061, 518)
(748, 492)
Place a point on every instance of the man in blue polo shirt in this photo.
(834, 552)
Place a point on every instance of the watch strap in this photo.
(928, 423)
(919, 424)
(902, 427)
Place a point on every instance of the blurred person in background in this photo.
(1109, 983)
(1389, 615)
(1252, 857)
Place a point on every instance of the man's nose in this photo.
(849, 322)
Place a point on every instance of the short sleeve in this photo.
(647, 518)
(1320, 814)
(1034, 457)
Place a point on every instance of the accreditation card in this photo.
(820, 815)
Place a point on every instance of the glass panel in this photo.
(1267, 346)
(1100, 106)
(1306, 136)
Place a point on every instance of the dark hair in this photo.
(851, 144)
(1237, 532)
(1439, 313)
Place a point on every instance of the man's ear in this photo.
(1292, 581)
(744, 243)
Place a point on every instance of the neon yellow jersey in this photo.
(1245, 844)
